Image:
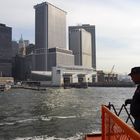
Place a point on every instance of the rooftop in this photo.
(47, 3)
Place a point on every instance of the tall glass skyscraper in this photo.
(91, 29)
(50, 32)
(80, 44)
(5, 50)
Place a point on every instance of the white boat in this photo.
(4, 87)
(7, 87)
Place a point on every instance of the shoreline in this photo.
(75, 85)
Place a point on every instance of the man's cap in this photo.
(135, 70)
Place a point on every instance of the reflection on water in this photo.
(55, 113)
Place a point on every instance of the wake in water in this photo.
(45, 137)
(41, 118)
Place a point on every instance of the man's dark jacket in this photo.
(135, 104)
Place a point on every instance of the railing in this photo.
(119, 113)
(113, 128)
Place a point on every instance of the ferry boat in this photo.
(113, 127)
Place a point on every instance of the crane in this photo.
(111, 75)
(112, 69)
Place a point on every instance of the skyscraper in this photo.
(5, 50)
(80, 41)
(50, 32)
(91, 29)
(22, 47)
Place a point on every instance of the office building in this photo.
(80, 44)
(5, 50)
(91, 29)
(22, 47)
(14, 48)
(19, 68)
(58, 56)
(23, 64)
(30, 49)
(50, 32)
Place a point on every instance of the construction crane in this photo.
(112, 69)
(110, 74)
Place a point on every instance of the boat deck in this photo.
(93, 137)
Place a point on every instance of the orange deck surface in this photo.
(93, 137)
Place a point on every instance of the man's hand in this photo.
(128, 101)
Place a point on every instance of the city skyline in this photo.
(117, 27)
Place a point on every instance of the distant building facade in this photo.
(50, 32)
(80, 44)
(19, 68)
(103, 77)
(91, 29)
(62, 75)
(57, 56)
(30, 49)
(5, 50)
(30, 59)
(15, 48)
(23, 59)
(22, 47)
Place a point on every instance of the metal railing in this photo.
(118, 113)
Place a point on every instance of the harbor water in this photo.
(57, 113)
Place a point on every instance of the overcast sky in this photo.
(117, 25)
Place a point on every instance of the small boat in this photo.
(2, 87)
(7, 86)
(113, 127)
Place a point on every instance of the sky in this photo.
(117, 24)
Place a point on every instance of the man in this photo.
(135, 101)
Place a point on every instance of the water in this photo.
(60, 114)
